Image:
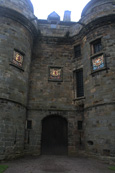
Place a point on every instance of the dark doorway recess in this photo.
(54, 135)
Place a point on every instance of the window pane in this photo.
(97, 47)
(29, 124)
(79, 80)
(77, 51)
(79, 125)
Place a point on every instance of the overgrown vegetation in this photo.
(112, 168)
(3, 168)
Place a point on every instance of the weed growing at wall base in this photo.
(112, 168)
(3, 168)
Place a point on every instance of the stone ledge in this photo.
(97, 105)
(4, 100)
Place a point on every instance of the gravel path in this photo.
(58, 164)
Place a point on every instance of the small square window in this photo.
(80, 125)
(98, 62)
(18, 58)
(77, 51)
(29, 124)
(96, 46)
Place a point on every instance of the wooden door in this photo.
(54, 135)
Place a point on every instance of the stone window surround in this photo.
(75, 87)
(79, 53)
(94, 55)
(93, 43)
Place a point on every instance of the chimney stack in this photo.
(67, 16)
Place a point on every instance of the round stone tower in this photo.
(97, 8)
(22, 6)
(98, 45)
(17, 32)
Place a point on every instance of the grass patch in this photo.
(3, 168)
(112, 168)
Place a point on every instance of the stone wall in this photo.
(46, 94)
(12, 128)
(48, 97)
(34, 145)
(99, 130)
(99, 94)
(96, 9)
(30, 93)
(59, 29)
(55, 96)
(15, 80)
(22, 6)
(14, 86)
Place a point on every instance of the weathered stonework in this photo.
(15, 34)
(12, 125)
(28, 94)
(23, 6)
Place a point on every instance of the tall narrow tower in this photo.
(17, 31)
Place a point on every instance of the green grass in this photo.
(3, 168)
(112, 168)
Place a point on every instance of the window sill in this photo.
(77, 58)
(20, 68)
(79, 98)
(102, 69)
(80, 130)
(96, 54)
(54, 80)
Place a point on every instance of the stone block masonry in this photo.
(57, 76)
(15, 36)
(12, 129)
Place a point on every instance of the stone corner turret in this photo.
(96, 9)
(20, 11)
(24, 7)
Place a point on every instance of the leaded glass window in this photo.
(77, 51)
(96, 46)
(29, 124)
(80, 125)
(79, 83)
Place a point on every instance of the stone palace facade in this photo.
(57, 81)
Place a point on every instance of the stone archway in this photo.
(54, 135)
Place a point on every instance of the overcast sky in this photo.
(42, 8)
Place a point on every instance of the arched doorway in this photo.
(54, 135)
